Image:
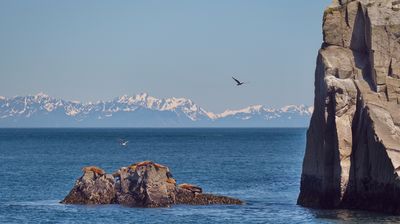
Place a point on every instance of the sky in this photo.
(98, 50)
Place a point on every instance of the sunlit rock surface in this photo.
(144, 184)
(352, 157)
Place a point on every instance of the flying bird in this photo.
(123, 142)
(238, 83)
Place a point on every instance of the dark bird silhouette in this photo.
(238, 83)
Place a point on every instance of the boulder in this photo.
(94, 187)
(144, 184)
(352, 156)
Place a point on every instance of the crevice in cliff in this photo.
(355, 131)
(346, 16)
(332, 157)
(368, 75)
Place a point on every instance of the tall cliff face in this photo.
(352, 157)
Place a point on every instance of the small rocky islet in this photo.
(144, 184)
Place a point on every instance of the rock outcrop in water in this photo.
(144, 184)
(352, 157)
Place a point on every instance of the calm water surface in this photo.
(38, 167)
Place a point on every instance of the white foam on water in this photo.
(36, 203)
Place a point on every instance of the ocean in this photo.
(38, 167)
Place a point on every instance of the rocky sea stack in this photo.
(352, 157)
(144, 184)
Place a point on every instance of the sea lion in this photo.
(93, 169)
(193, 188)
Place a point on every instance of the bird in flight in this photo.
(238, 83)
(123, 142)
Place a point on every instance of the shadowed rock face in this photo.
(352, 157)
(144, 184)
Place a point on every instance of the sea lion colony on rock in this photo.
(144, 184)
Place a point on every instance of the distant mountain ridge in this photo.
(140, 110)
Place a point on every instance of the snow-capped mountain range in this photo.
(140, 110)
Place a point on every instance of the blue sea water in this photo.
(38, 167)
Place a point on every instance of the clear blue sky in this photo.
(92, 50)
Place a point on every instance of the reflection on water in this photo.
(346, 215)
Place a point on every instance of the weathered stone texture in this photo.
(144, 184)
(352, 157)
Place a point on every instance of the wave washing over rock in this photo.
(144, 184)
(352, 157)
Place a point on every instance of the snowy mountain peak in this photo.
(292, 108)
(247, 110)
(141, 96)
(142, 109)
(254, 108)
(302, 109)
(41, 95)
